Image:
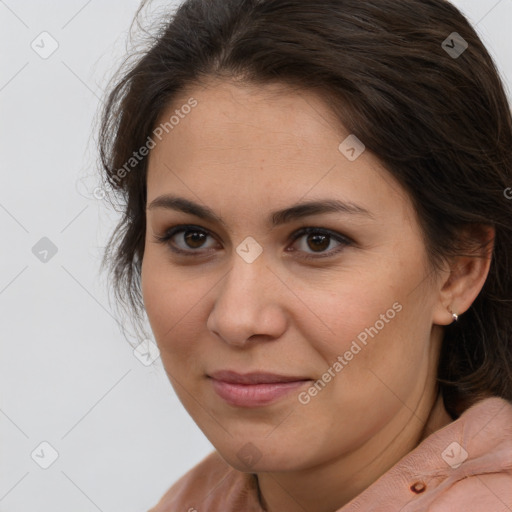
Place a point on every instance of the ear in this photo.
(465, 275)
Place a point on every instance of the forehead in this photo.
(265, 145)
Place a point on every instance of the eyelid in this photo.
(343, 240)
(180, 228)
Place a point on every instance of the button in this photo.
(418, 487)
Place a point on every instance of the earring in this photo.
(455, 317)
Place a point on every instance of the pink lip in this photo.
(253, 389)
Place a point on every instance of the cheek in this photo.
(371, 321)
(173, 302)
(160, 293)
(371, 360)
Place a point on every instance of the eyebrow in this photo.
(276, 218)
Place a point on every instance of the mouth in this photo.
(254, 389)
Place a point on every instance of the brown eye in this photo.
(315, 240)
(318, 242)
(194, 239)
(186, 240)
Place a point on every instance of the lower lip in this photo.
(254, 395)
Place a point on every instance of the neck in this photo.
(331, 485)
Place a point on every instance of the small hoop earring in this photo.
(455, 317)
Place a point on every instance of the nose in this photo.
(249, 304)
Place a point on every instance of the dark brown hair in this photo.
(439, 122)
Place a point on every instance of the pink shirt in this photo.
(465, 466)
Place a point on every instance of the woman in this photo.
(316, 224)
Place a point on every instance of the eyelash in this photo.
(343, 240)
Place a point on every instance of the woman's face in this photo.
(344, 313)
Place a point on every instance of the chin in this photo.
(253, 458)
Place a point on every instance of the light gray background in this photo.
(68, 376)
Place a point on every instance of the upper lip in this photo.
(253, 377)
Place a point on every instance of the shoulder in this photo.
(481, 478)
(491, 492)
(211, 485)
(466, 466)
